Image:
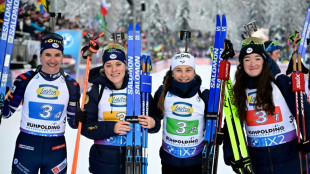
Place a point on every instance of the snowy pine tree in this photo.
(125, 17)
(156, 22)
(183, 15)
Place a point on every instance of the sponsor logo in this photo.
(192, 141)
(48, 92)
(60, 167)
(251, 98)
(92, 127)
(68, 40)
(59, 147)
(22, 146)
(182, 55)
(249, 50)
(274, 130)
(118, 100)
(182, 109)
(44, 127)
(53, 41)
(297, 78)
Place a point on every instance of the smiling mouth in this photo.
(52, 65)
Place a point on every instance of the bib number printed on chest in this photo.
(182, 127)
(258, 118)
(268, 130)
(45, 111)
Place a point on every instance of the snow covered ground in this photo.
(9, 130)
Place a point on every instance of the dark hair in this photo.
(167, 83)
(264, 97)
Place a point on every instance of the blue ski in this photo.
(133, 143)
(130, 91)
(137, 101)
(215, 83)
(6, 44)
(304, 35)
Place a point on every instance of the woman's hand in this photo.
(146, 121)
(122, 127)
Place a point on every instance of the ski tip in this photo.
(130, 27)
(137, 27)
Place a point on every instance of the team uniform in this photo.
(272, 139)
(49, 101)
(105, 106)
(183, 126)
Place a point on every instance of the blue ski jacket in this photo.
(110, 159)
(183, 90)
(279, 159)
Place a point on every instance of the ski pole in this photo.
(298, 86)
(93, 47)
(224, 70)
(146, 89)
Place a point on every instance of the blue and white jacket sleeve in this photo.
(74, 98)
(17, 93)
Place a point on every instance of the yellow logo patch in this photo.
(48, 92)
(182, 109)
(118, 100)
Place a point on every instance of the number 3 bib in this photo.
(269, 129)
(183, 125)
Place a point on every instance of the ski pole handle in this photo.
(294, 61)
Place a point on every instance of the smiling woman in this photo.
(105, 113)
(50, 98)
(265, 104)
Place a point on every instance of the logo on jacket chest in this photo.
(251, 98)
(182, 109)
(118, 100)
(48, 92)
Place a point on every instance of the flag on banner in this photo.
(104, 6)
(42, 6)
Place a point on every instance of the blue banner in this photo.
(72, 44)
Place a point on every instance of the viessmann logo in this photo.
(182, 109)
(48, 92)
(251, 98)
(118, 100)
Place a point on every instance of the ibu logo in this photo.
(182, 109)
(118, 100)
(251, 98)
(48, 92)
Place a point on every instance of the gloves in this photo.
(304, 146)
(80, 116)
(273, 66)
(228, 50)
(290, 68)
